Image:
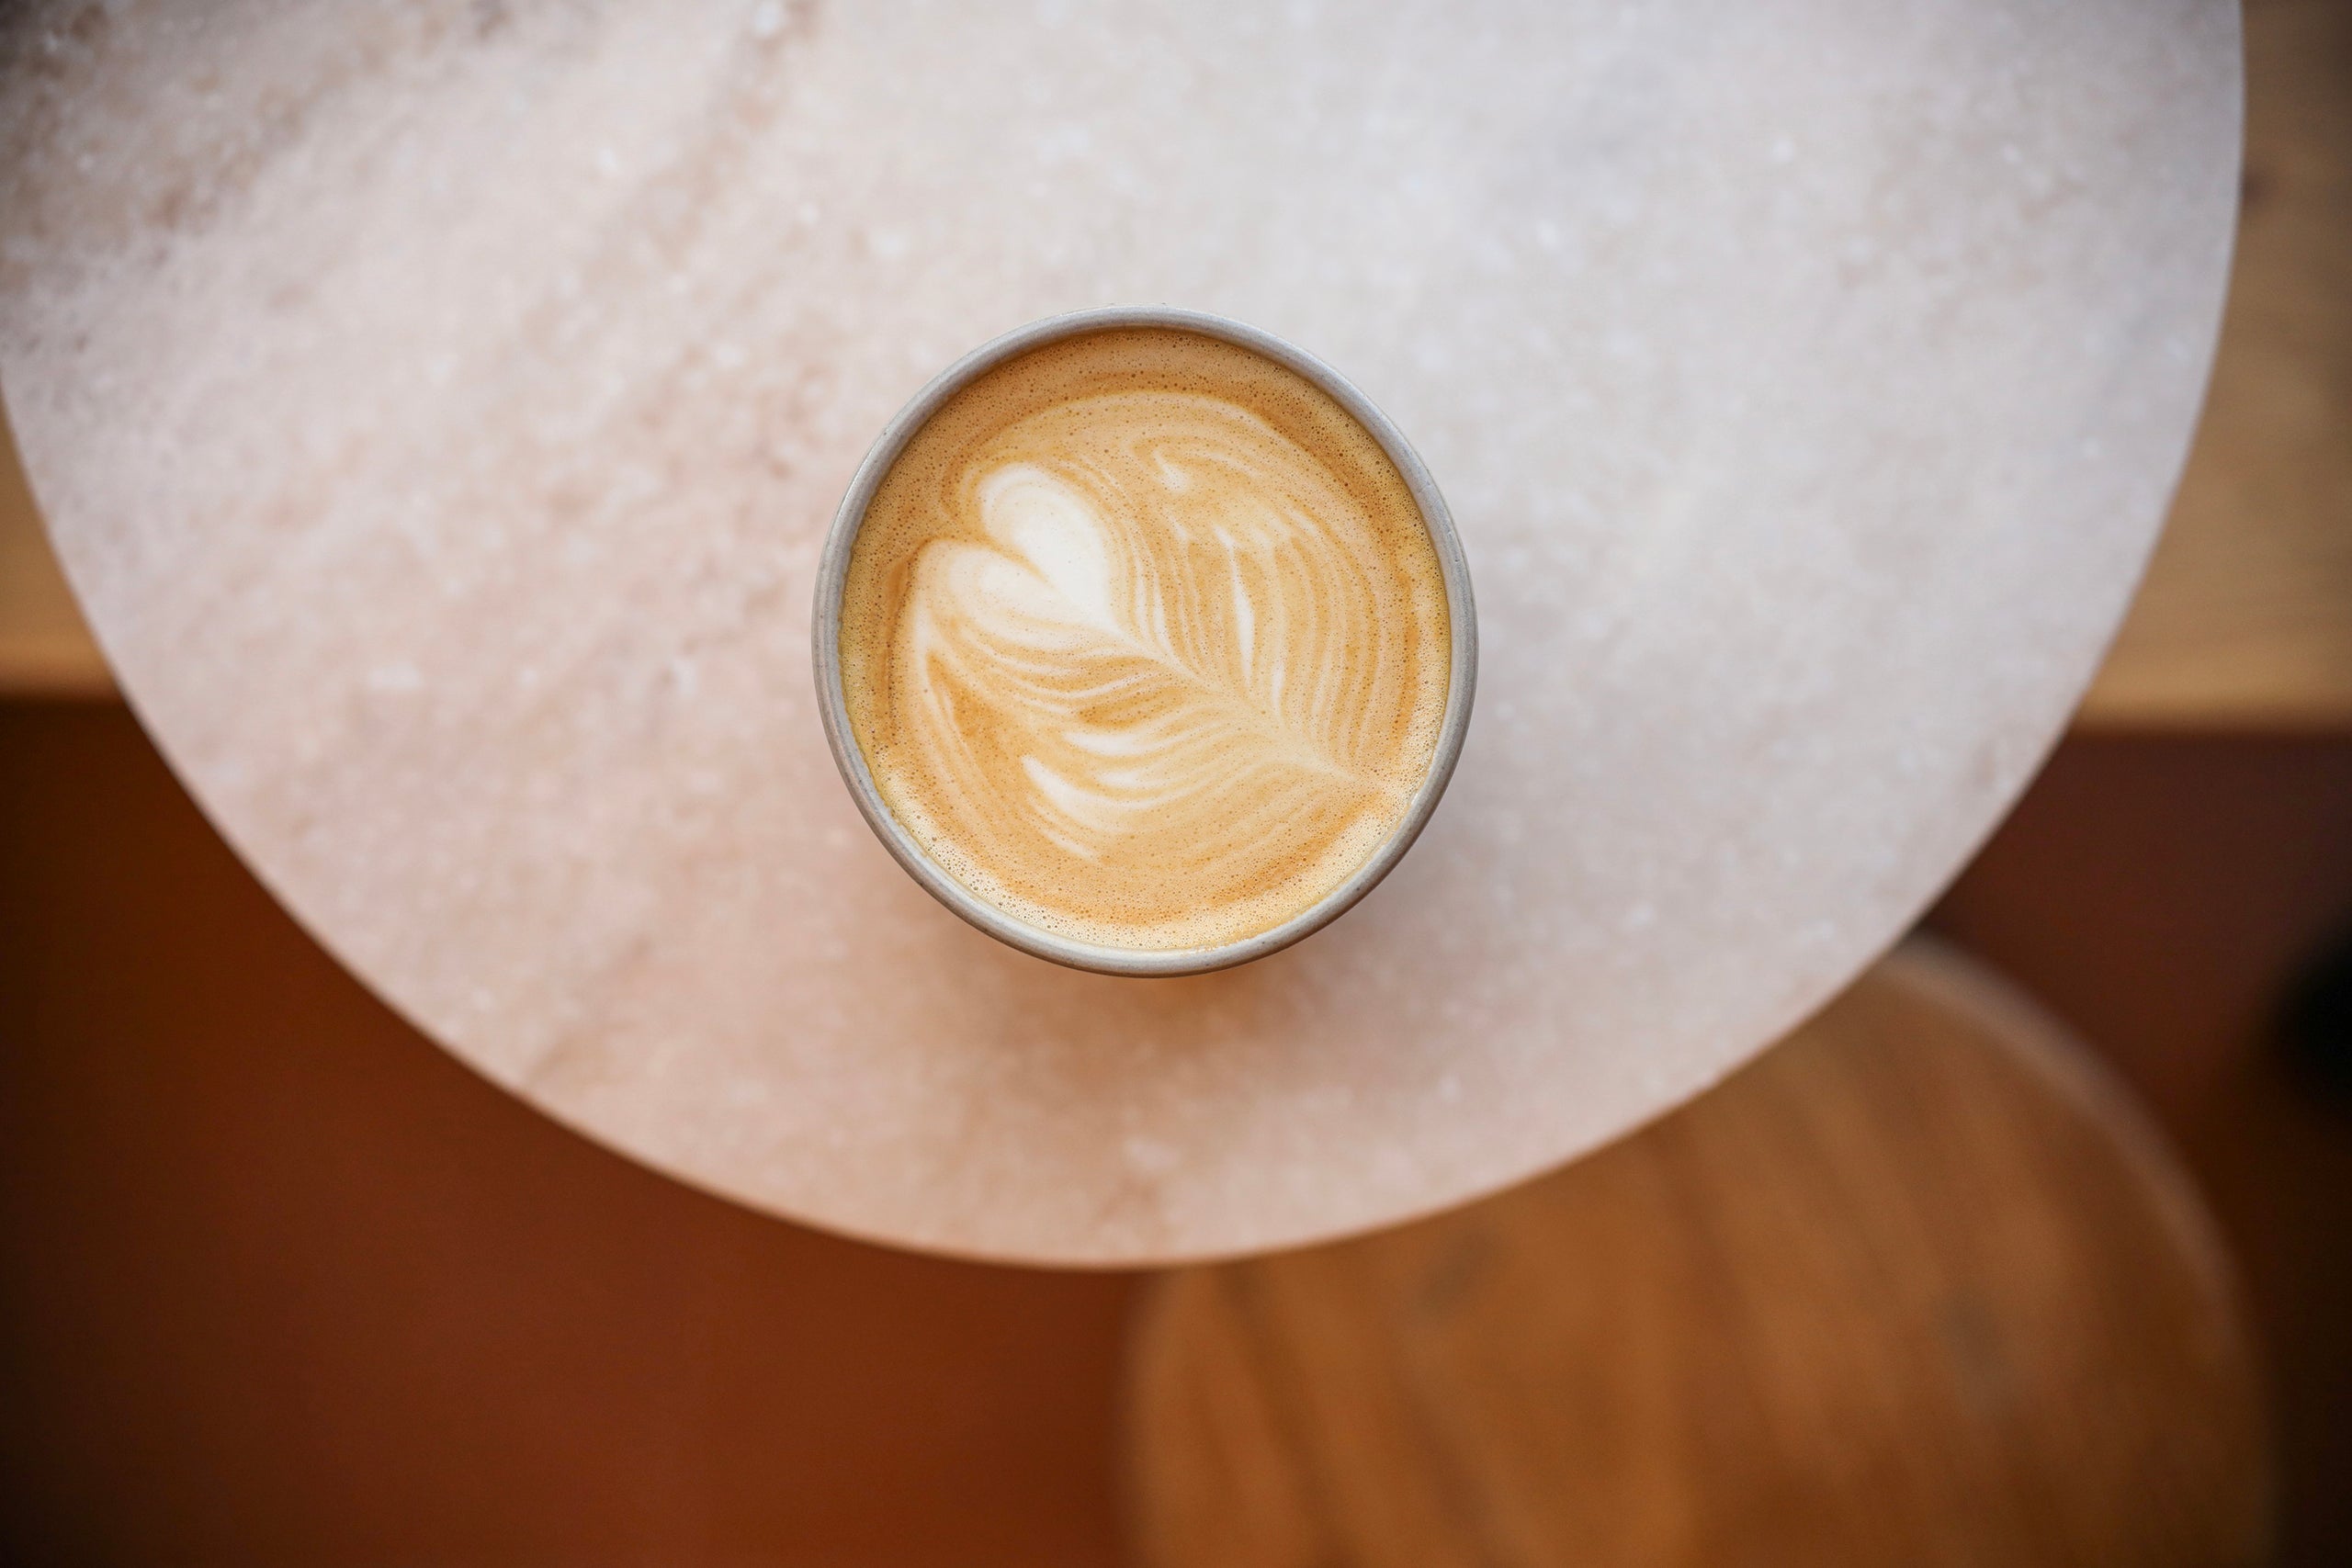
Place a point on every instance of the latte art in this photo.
(1144, 641)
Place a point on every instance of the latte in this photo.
(1145, 640)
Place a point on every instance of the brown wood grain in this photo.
(45, 650)
(2162, 895)
(2246, 618)
(1917, 1287)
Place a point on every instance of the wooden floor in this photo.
(281, 1282)
(2161, 896)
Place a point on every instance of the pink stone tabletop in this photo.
(437, 407)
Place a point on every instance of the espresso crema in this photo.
(1144, 640)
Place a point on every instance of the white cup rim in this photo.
(832, 574)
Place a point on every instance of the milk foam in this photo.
(1144, 641)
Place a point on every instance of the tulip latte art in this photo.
(1144, 641)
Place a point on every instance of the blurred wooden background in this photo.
(281, 1282)
(1916, 1286)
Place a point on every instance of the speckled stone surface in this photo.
(438, 408)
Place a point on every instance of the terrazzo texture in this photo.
(438, 410)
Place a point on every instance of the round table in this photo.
(437, 409)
